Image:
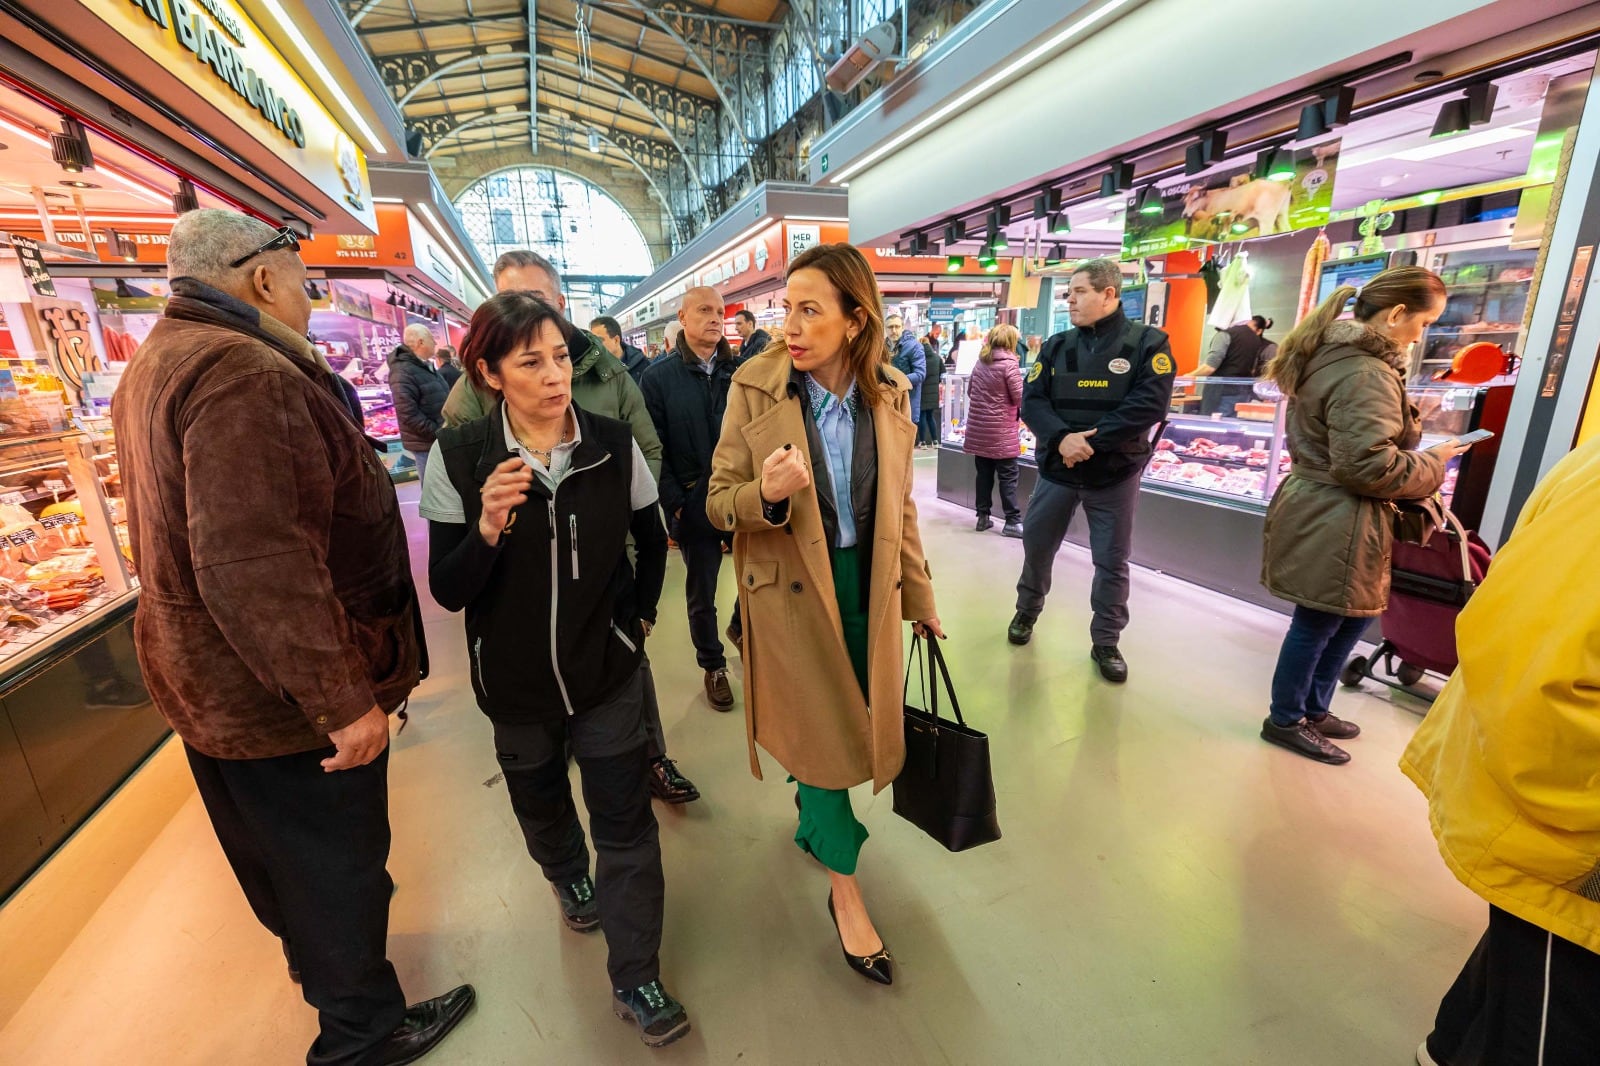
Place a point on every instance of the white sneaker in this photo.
(1423, 1058)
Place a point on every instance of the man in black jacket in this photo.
(609, 330)
(1091, 401)
(752, 340)
(419, 393)
(686, 392)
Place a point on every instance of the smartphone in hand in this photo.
(1477, 436)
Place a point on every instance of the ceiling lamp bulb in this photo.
(1149, 202)
(998, 241)
(1060, 225)
(955, 264)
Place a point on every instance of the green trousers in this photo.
(828, 827)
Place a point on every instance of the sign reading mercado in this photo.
(218, 54)
(1235, 204)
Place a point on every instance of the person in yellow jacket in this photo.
(1509, 758)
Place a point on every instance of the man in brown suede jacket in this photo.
(277, 623)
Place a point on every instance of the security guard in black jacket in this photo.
(1091, 401)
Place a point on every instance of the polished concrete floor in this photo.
(1169, 890)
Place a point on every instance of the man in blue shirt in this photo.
(908, 358)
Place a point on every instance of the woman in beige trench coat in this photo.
(813, 477)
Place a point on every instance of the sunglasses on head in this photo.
(284, 237)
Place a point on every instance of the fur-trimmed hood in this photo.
(1340, 336)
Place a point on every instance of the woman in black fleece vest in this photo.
(529, 512)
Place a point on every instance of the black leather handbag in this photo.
(946, 788)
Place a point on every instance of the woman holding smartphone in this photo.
(812, 475)
(1330, 528)
(529, 512)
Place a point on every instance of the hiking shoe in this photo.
(660, 1018)
(1302, 739)
(718, 691)
(1335, 728)
(1113, 667)
(579, 909)
(669, 786)
(1020, 630)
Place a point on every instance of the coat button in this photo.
(750, 579)
(898, 584)
(322, 719)
(796, 587)
(730, 521)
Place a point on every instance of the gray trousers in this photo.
(1110, 515)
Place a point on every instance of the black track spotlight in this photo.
(70, 148)
(998, 241)
(999, 217)
(123, 292)
(1275, 164)
(1328, 113)
(919, 243)
(1060, 225)
(1452, 119)
(955, 264)
(1047, 203)
(1118, 179)
(185, 199)
(313, 293)
(1149, 201)
(1480, 102)
(1205, 152)
(394, 298)
(954, 233)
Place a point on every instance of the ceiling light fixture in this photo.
(1275, 164)
(955, 264)
(1149, 202)
(1060, 225)
(186, 199)
(330, 84)
(80, 184)
(70, 148)
(954, 233)
(1206, 152)
(1118, 179)
(1326, 114)
(998, 242)
(1452, 119)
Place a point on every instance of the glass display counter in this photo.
(1216, 464)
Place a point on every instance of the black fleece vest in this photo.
(555, 630)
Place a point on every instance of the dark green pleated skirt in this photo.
(828, 827)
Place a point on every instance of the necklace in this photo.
(546, 455)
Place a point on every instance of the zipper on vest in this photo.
(572, 529)
(477, 655)
(630, 645)
(555, 580)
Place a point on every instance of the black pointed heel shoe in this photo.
(877, 967)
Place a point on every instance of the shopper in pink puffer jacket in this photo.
(994, 393)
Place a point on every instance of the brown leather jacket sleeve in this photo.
(1366, 415)
(260, 503)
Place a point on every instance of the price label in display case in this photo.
(14, 498)
(57, 520)
(22, 538)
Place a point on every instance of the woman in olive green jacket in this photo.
(1353, 435)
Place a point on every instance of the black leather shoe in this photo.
(1335, 728)
(1021, 629)
(579, 909)
(1012, 530)
(877, 967)
(1113, 667)
(426, 1024)
(288, 960)
(1301, 739)
(669, 786)
(660, 1018)
(985, 523)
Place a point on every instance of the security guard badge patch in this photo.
(1162, 363)
(1034, 371)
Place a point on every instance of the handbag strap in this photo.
(933, 683)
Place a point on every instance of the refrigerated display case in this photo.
(1204, 497)
(1486, 299)
(75, 718)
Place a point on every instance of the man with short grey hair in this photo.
(419, 392)
(1091, 400)
(278, 626)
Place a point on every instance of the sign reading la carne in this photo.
(197, 33)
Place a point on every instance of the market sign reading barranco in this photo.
(210, 47)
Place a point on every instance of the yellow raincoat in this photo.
(1509, 756)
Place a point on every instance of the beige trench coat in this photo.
(802, 702)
